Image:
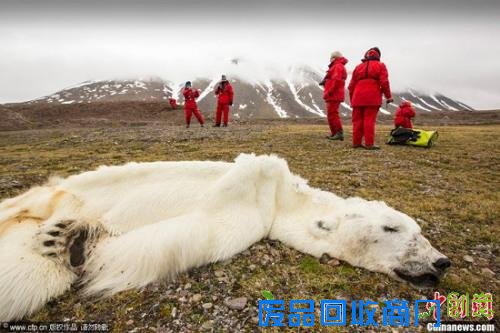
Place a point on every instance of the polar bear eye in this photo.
(390, 229)
(321, 225)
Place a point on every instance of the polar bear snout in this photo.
(442, 264)
(422, 275)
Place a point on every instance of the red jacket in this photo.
(369, 81)
(173, 102)
(404, 114)
(190, 96)
(334, 81)
(224, 93)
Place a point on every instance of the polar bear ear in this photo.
(322, 228)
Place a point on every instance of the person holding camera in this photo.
(224, 93)
(190, 106)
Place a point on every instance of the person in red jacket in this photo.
(334, 93)
(404, 114)
(173, 103)
(370, 80)
(190, 106)
(224, 93)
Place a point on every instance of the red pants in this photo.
(189, 110)
(333, 117)
(363, 124)
(222, 109)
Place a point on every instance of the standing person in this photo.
(369, 81)
(224, 93)
(334, 92)
(190, 106)
(403, 116)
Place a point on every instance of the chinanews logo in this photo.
(395, 312)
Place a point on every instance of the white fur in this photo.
(152, 220)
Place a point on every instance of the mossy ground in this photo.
(452, 190)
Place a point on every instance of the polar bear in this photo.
(122, 227)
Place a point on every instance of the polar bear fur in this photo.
(141, 222)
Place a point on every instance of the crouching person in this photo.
(173, 103)
(334, 92)
(404, 114)
(190, 106)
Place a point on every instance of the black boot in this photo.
(338, 136)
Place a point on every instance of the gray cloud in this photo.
(446, 46)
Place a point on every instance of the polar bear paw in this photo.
(52, 239)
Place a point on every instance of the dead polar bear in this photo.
(123, 227)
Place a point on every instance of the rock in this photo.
(207, 305)
(208, 325)
(219, 273)
(196, 298)
(237, 303)
(324, 258)
(487, 271)
(333, 262)
(129, 322)
(252, 267)
(468, 259)
(174, 312)
(187, 286)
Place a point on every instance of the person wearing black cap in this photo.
(190, 106)
(224, 93)
(370, 80)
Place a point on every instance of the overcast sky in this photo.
(445, 46)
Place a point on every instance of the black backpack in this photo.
(401, 135)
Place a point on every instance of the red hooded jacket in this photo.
(404, 114)
(369, 81)
(190, 96)
(224, 93)
(334, 81)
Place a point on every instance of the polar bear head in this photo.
(372, 235)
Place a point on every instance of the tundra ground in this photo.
(453, 191)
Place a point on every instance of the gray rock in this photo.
(208, 325)
(468, 259)
(487, 271)
(237, 303)
(207, 305)
(196, 298)
(333, 262)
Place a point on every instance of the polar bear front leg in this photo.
(161, 250)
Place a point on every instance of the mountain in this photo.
(294, 94)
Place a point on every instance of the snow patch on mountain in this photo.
(297, 99)
(272, 101)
